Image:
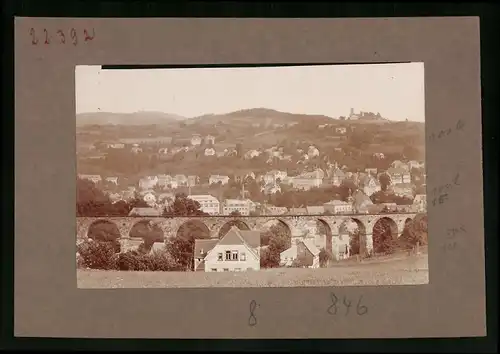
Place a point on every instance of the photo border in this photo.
(447, 42)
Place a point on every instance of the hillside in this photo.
(136, 118)
(262, 116)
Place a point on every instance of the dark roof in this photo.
(145, 212)
(315, 210)
(204, 245)
(236, 236)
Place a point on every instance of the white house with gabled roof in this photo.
(237, 251)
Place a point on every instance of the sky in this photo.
(396, 91)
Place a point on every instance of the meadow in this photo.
(410, 270)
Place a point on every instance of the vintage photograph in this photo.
(270, 176)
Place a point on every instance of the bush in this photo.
(97, 255)
(131, 260)
(325, 257)
(154, 261)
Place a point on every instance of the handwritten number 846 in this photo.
(346, 304)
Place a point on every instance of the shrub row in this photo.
(102, 255)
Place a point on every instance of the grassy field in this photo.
(410, 270)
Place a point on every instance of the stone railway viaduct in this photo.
(297, 225)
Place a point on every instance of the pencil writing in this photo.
(60, 36)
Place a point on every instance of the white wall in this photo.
(212, 262)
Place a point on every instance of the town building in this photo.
(112, 180)
(305, 250)
(209, 140)
(195, 140)
(148, 182)
(369, 185)
(214, 179)
(420, 203)
(398, 175)
(92, 178)
(209, 151)
(238, 250)
(208, 203)
(337, 207)
(307, 180)
(403, 189)
(236, 205)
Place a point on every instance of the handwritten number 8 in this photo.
(74, 36)
(332, 310)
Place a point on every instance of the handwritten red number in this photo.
(63, 37)
(46, 36)
(34, 40)
(74, 36)
(87, 37)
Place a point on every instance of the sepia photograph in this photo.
(261, 176)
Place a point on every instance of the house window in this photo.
(219, 256)
(226, 269)
(237, 269)
(243, 256)
(214, 269)
(228, 255)
(234, 255)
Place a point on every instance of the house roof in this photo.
(145, 212)
(337, 173)
(361, 198)
(252, 238)
(219, 176)
(204, 245)
(336, 202)
(311, 246)
(419, 197)
(236, 236)
(315, 210)
(394, 170)
(201, 265)
(375, 208)
(292, 250)
(298, 210)
(403, 185)
(365, 180)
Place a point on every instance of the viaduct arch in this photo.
(299, 226)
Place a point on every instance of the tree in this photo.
(183, 206)
(181, 246)
(239, 150)
(235, 213)
(324, 257)
(149, 232)
(181, 251)
(411, 152)
(383, 241)
(385, 181)
(415, 231)
(279, 241)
